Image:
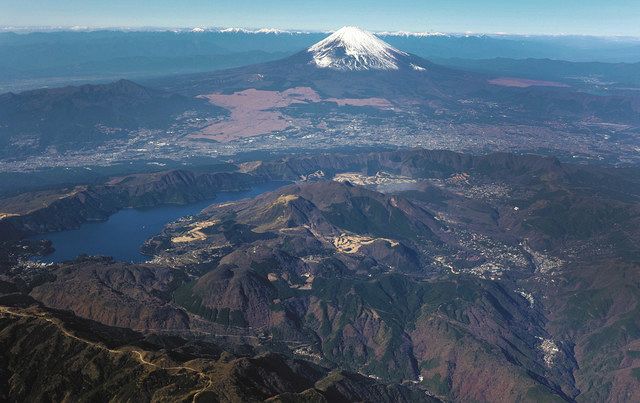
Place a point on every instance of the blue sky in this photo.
(592, 17)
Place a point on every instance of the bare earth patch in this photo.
(195, 233)
(352, 243)
(524, 83)
(254, 112)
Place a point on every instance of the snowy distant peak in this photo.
(259, 31)
(352, 48)
(408, 34)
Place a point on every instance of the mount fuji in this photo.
(352, 48)
(350, 62)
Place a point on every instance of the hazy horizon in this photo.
(616, 18)
(278, 30)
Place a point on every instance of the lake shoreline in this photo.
(122, 234)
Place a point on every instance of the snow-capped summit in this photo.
(352, 48)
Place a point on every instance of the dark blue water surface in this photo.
(125, 231)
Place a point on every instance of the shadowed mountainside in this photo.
(93, 362)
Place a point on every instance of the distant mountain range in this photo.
(36, 59)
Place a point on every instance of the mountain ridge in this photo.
(72, 117)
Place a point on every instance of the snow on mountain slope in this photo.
(352, 48)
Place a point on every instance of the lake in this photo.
(125, 231)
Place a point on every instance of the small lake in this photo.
(125, 231)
